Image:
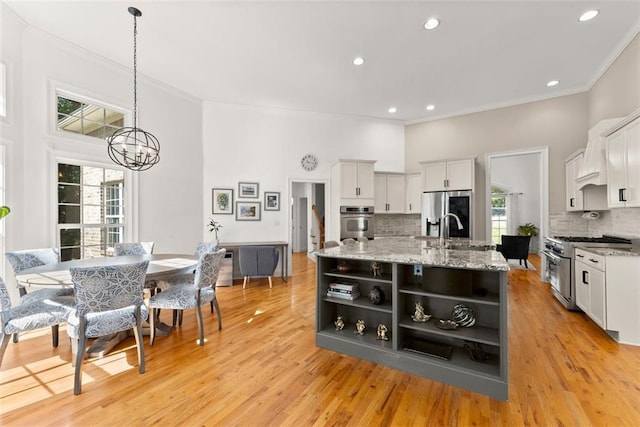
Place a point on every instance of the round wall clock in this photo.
(309, 162)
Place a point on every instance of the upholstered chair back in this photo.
(143, 248)
(208, 268)
(29, 258)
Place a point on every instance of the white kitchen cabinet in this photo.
(608, 291)
(448, 175)
(413, 197)
(389, 192)
(355, 179)
(623, 164)
(574, 200)
(590, 286)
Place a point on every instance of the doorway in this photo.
(522, 176)
(309, 201)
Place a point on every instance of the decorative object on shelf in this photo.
(339, 323)
(476, 352)
(4, 211)
(309, 162)
(248, 211)
(375, 269)
(214, 227)
(463, 315)
(343, 266)
(376, 296)
(419, 315)
(132, 147)
(248, 190)
(271, 200)
(446, 324)
(222, 201)
(360, 327)
(382, 333)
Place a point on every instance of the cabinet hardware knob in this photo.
(585, 277)
(621, 195)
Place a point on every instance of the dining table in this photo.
(161, 267)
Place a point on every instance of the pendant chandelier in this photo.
(132, 147)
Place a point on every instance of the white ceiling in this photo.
(298, 54)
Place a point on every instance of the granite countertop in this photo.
(407, 250)
(613, 251)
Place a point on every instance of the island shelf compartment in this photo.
(402, 289)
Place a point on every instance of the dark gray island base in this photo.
(411, 273)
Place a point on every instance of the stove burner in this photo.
(603, 239)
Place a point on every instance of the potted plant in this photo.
(528, 229)
(214, 227)
(4, 211)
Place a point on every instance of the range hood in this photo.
(594, 163)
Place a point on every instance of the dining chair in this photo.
(31, 315)
(142, 248)
(201, 290)
(108, 300)
(29, 258)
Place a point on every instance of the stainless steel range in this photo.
(559, 260)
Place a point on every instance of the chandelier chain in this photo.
(135, 69)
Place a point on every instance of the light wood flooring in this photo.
(264, 369)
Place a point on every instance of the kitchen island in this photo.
(410, 273)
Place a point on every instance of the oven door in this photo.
(558, 273)
(354, 226)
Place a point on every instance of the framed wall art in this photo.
(222, 201)
(248, 190)
(248, 211)
(271, 200)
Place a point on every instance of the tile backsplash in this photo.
(624, 222)
(396, 225)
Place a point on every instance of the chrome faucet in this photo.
(445, 226)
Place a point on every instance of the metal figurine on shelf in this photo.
(382, 333)
(339, 323)
(419, 315)
(359, 327)
(375, 269)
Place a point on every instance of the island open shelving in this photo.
(420, 348)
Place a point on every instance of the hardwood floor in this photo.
(263, 368)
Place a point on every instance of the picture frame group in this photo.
(248, 211)
(271, 200)
(248, 190)
(223, 202)
(222, 199)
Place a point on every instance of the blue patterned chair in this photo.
(143, 248)
(30, 316)
(108, 300)
(201, 290)
(22, 260)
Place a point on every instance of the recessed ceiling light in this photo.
(392, 109)
(552, 83)
(588, 15)
(431, 107)
(431, 23)
(358, 60)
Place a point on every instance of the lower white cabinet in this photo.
(590, 286)
(608, 291)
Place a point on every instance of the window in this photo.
(85, 118)
(499, 221)
(91, 214)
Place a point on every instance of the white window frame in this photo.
(60, 89)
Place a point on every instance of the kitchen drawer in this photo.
(594, 260)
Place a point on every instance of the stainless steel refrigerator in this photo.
(436, 204)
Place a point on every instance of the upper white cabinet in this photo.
(623, 164)
(389, 192)
(355, 179)
(413, 196)
(573, 165)
(448, 175)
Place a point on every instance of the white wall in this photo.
(170, 197)
(266, 145)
